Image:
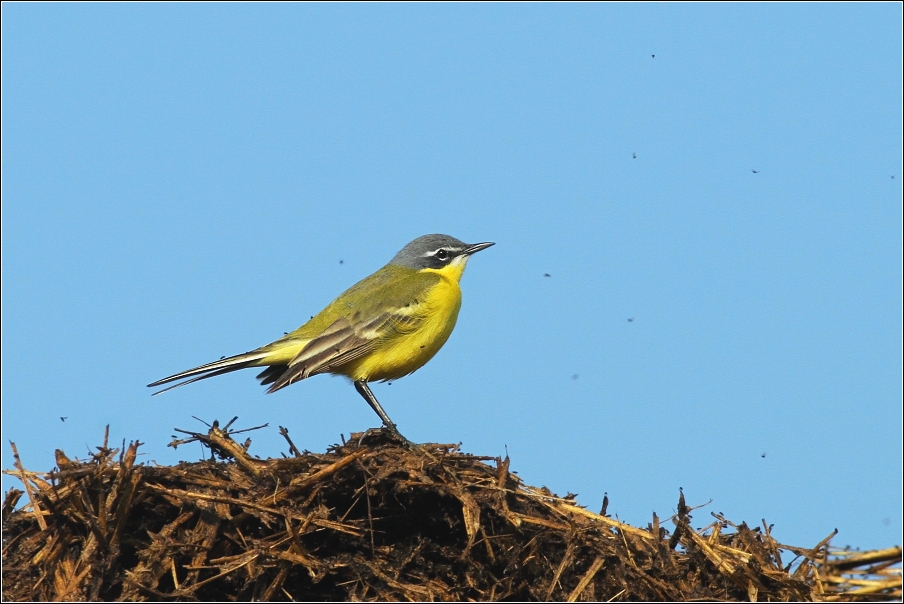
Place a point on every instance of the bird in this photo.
(384, 327)
(754, 171)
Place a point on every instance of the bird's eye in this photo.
(442, 254)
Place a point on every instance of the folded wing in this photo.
(339, 344)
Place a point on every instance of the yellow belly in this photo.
(406, 353)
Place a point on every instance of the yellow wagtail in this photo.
(384, 327)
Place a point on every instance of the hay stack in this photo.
(376, 521)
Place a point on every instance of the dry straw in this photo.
(376, 521)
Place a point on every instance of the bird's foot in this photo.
(390, 432)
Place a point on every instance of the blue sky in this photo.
(186, 181)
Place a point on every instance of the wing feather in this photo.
(339, 344)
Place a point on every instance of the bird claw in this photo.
(389, 431)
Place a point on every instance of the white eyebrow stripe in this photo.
(451, 250)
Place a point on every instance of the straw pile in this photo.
(376, 521)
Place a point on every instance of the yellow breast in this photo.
(406, 353)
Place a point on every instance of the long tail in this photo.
(227, 365)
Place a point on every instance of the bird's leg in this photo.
(364, 390)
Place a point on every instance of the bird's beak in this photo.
(473, 249)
